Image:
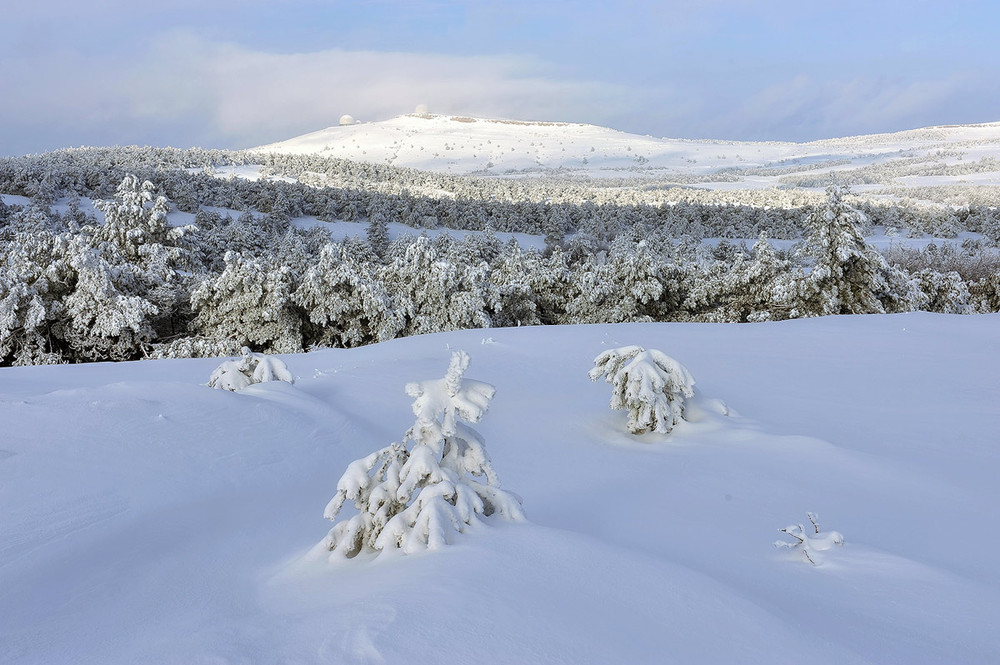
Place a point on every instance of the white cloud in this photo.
(250, 97)
(807, 107)
(183, 89)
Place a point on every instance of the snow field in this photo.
(148, 518)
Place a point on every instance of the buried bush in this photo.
(238, 373)
(650, 385)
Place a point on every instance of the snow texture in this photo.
(494, 147)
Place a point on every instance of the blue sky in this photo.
(238, 73)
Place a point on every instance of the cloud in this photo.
(181, 88)
(804, 107)
(251, 96)
(186, 90)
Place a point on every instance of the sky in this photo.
(241, 73)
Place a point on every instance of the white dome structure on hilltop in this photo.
(347, 120)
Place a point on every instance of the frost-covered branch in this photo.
(810, 544)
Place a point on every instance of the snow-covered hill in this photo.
(147, 518)
(465, 145)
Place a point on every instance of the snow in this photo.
(341, 230)
(14, 199)
(148, 518)
(517, 149)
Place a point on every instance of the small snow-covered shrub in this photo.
(238, 373)
(810, 544)
(651, 385)
(412, 498)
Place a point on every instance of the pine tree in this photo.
(378, 225)
(345, 302)
(434, 293)
(846, 275)
(650, 385)
(106, 315)
(413, 495)
(135, 221)
(35, 276)
(250, 302)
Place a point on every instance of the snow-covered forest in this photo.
(431, 470)
(124, 253)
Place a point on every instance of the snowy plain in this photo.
(148, 518)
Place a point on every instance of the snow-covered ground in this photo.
(147, 518)
(491, 147)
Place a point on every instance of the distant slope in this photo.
(465, 145)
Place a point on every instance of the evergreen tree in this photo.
(411, 496)
(650, 385)
(378, 225)
(249, 302)
(436, 294)
(345, 302)
(846, 275)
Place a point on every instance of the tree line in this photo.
(74, 289)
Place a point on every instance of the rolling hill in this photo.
(509, 148)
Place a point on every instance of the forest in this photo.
(76, 288)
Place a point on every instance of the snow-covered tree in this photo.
(34, 278)
(810, 544)
(435, 293)
(512, 277)
(946, 292)
(238, 373)
(624, 286)
(107, 315)
(379, 211)
(195, 346)
(846, 275)
(345, 301)
(139, 253)
(651, 385)
(250, 301)
(413, 495)
(746, 288)
(136, 220)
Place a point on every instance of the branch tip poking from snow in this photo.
(810, 545)
(416, 498)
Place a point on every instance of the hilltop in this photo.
(510, 148)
